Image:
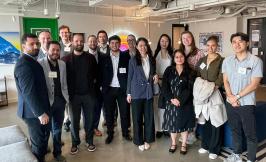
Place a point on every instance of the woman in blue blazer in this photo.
(141, 78)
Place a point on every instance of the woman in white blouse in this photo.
(163, 55)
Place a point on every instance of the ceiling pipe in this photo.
(186, 7)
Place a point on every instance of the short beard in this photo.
(79, 49)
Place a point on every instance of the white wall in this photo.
(91, 24)
(226, 25)
(7, 25)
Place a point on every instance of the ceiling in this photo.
(143, 10)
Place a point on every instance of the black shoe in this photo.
(74, 150)
(67, 126)
(183, 150)
(159, 134)
(165, 133)
(128, 138)
(172, 149)
(91, 147)
(109, 139)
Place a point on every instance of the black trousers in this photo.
(243, 118)
(57, 118)
(143, 109)
(112, 98)
(211, 138)
(97, 109)
(84, 103)
(39, 135)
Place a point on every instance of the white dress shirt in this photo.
(115, 61)
(94, 53)
(103, 48)
(146, 66)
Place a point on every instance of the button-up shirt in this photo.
(115, 61)
(94, 53)
(240, 73)
(146, 66)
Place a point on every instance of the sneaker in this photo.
(202, 151)
(91, 147)
(141, 147)
(212, 156)
(233, 158)
(147, 146)
(60, 158)
(74, 150)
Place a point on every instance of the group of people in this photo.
(166, 92)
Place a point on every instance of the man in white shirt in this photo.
(65, 42)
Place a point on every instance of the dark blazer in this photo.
(33, 98)
(138, 86)
(106, 71)
(71, 78)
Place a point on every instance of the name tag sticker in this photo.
(202, 66)
(52, 74)
(122, 70)
(67, 49)
(242, 70)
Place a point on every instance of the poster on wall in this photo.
(203, 37)
(9, 47)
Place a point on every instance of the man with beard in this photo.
(92, 44)
(33, 102)
(44, 38)
(55, 75)
(81, 78)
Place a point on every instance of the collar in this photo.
(246, 58)
(103, 46)
(54, 63)
(34, 58)
(43, 50)
(92, 52)
(111, 54)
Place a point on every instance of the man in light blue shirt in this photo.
(242, 74)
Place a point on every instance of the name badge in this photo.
(122, 70)
(242, 70)
(67, 49)
(202, 66)
(52, 74)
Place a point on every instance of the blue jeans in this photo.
(57, 117)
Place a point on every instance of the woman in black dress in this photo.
(177, 88)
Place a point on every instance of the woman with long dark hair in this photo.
(163, 56)
(141, 78)
(179, 116)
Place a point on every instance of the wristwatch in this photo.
(238, 96)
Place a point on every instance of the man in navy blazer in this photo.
(33, 102)
(114, 70)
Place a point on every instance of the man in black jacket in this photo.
(81, 77)
(114, 70)
(33, 102)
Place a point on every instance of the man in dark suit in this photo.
(114, 70)
(33, 102)
(92, 44)
(81, 78)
